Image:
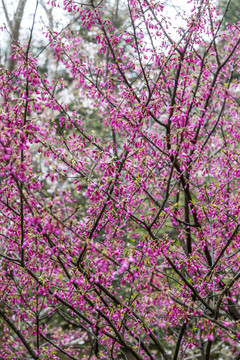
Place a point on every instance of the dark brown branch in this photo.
(179, 340)
(19, 334)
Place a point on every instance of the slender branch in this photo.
(19, 334)
(179, 340)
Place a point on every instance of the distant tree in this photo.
(14, 25)
(231, 11)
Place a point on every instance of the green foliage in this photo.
(232, 10)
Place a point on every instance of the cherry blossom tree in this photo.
(126, 245)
